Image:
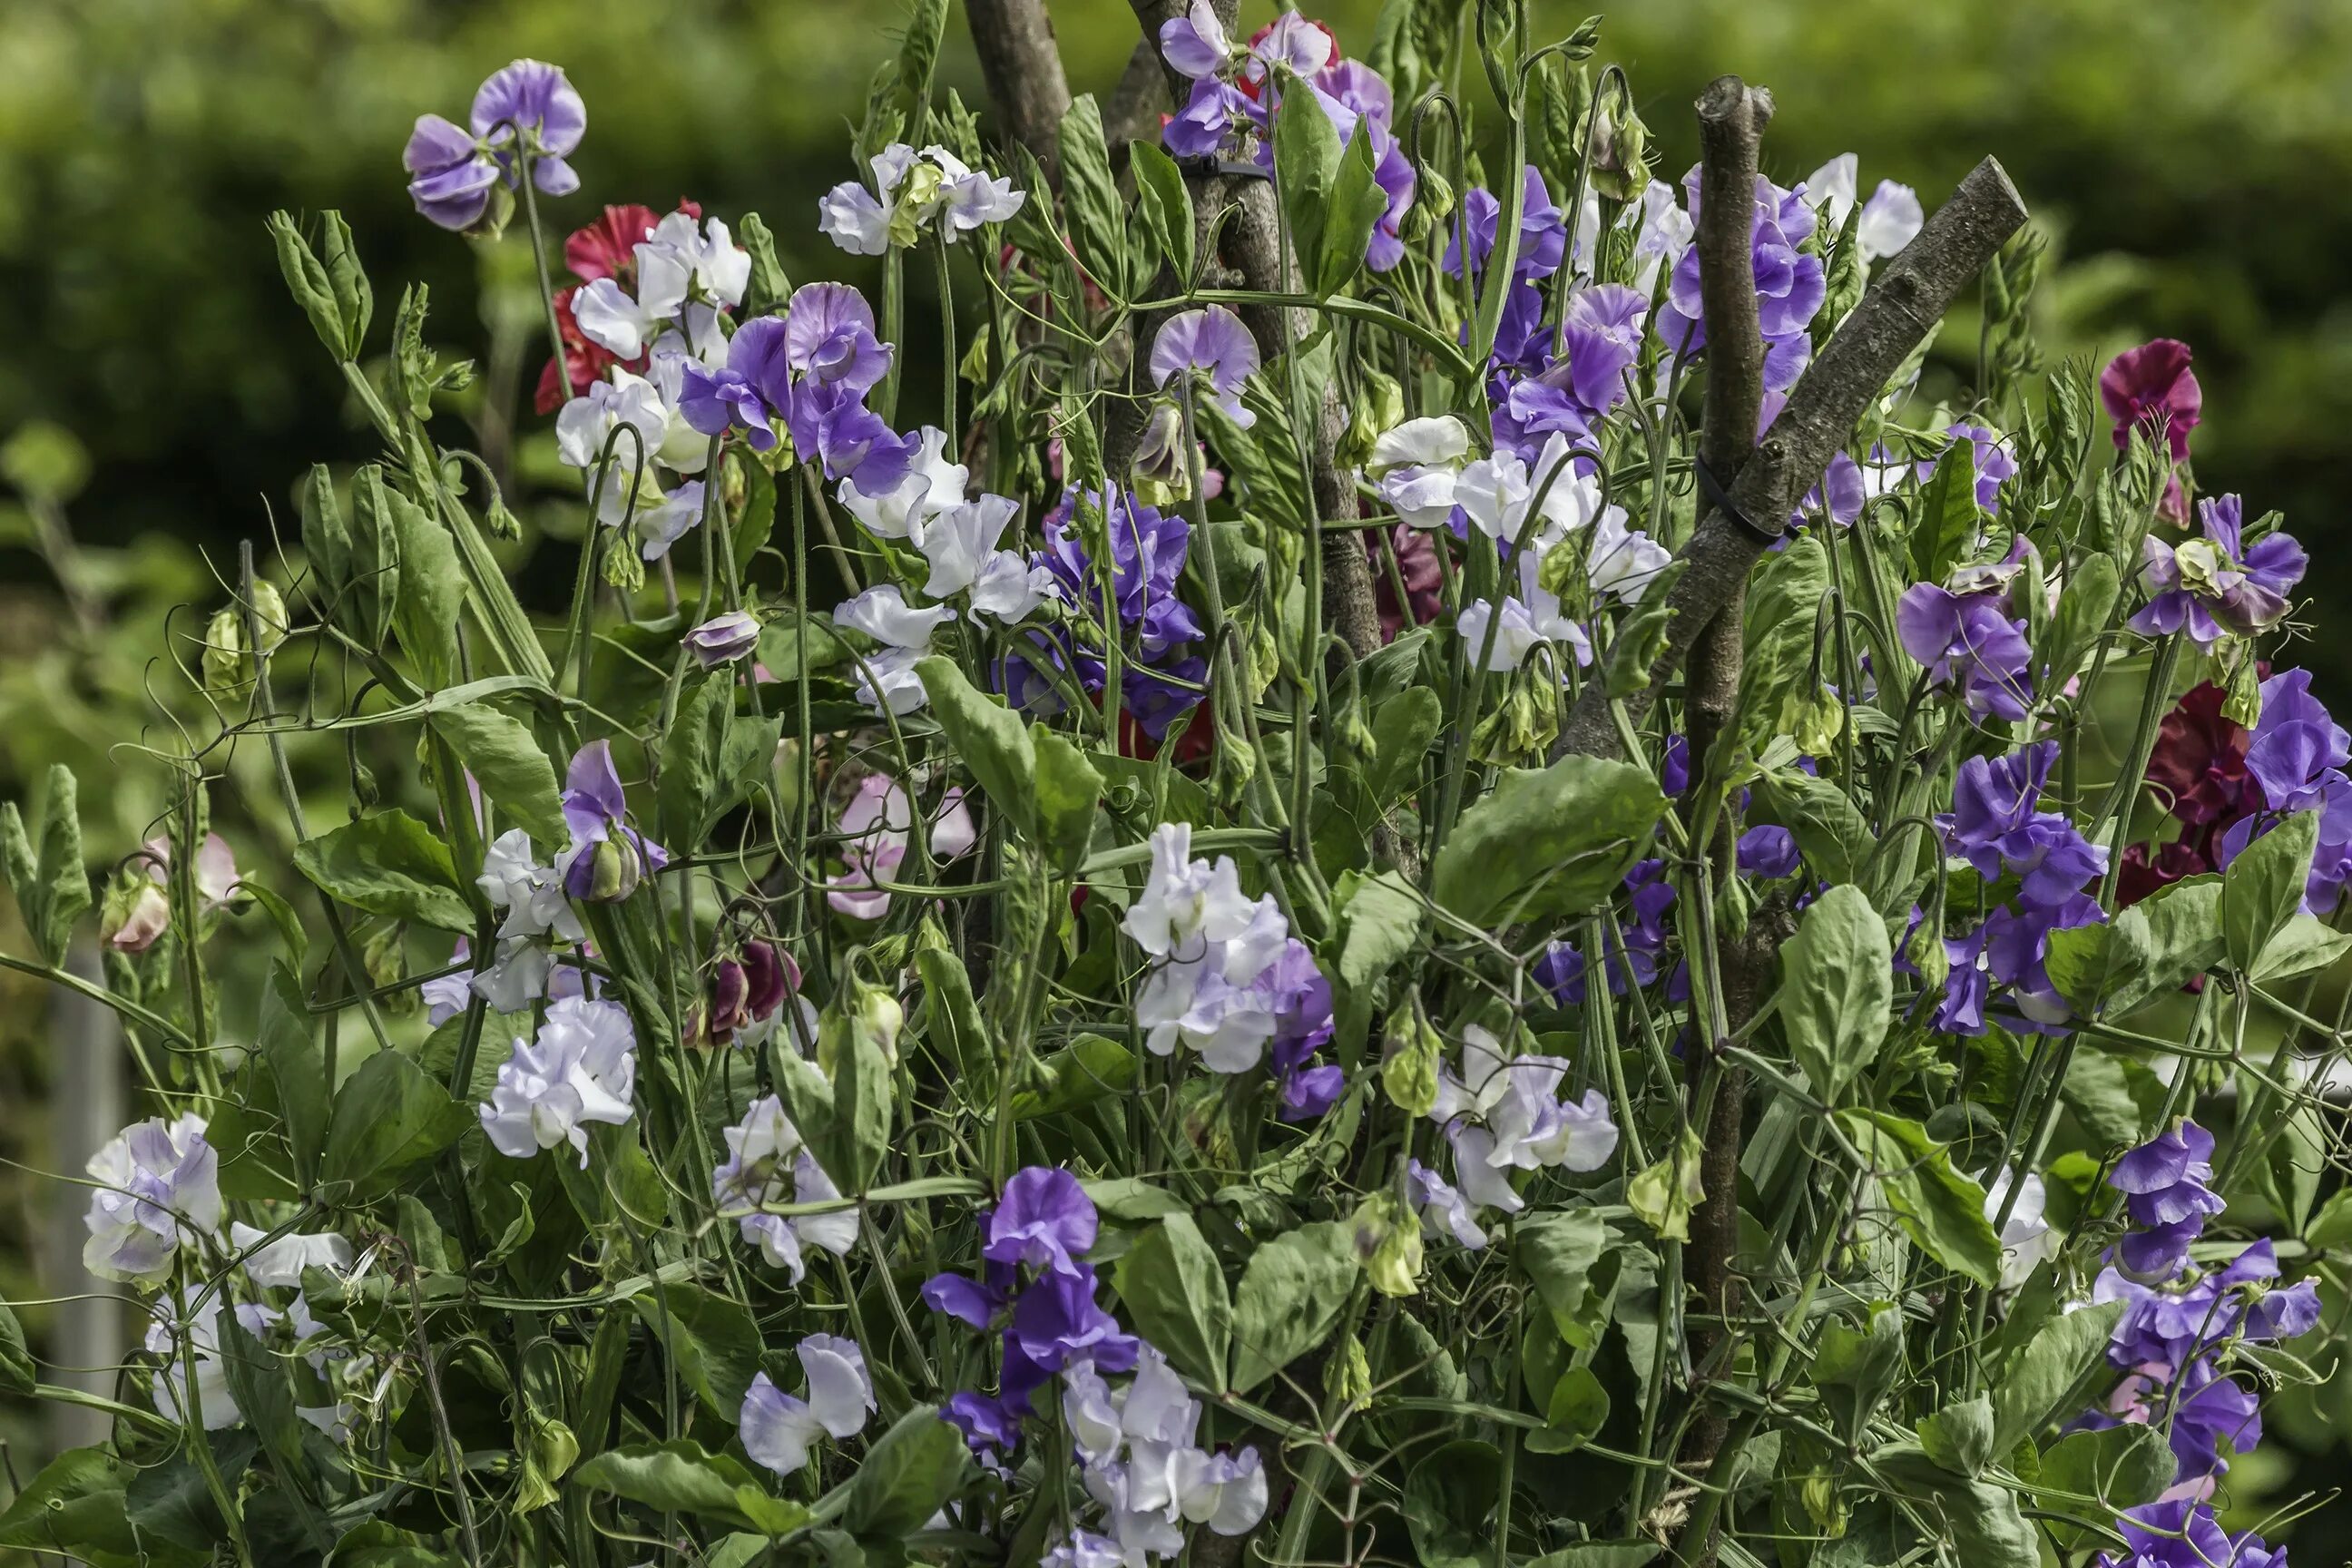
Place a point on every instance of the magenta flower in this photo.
(2152, 386)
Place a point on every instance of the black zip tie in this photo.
(1240, 168)
(1720, 498)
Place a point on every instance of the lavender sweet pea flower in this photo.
(1045, 1220)
(1543, 231)
(2215, 585)
(2164, 1179)
(581, 1067)
(607, 858)
(532, 99)
(2184, 1534)
(1210, 123)
(832, 424)
(1789, 284)
(1213, 341)
(1196, 44)
(1994, 826)
(1967, 641)
(451, 177)
(736, 395)
(1994, 465)
(1394, 173)
(724, 638)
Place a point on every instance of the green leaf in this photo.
(2331, 1228)
(678, 1477)
(388, 864)
(373, 582)
(2304, 945)
(1380, 923)
(1600, 1554)
(299, 1073)
(1837, 989)
(1165, 204)
(1831, 834)
(712, 1340)
(431, 598)
(1130, 1199)
(1292, 1293)
(907, 1477)
(1558, 1251)
(987, 737)
(1941, 1209)
(1949, 516)
(1175, 1297)
(2038, 1383)
(1781, 635)
(389, 1120)
(1082, 1072)
(306, 280)
(1067, 788)
(259, 1381)
(1448, 1498)
(1982, 1520)
(1855, 1368)
(505, 759)
(1578, 1409)
(53, 888)
(953, 1023)
(1960, 1438)
(2263, 888)
(1306, 173)
(2125, 1466)
(2092, 589)
(1403, 728)
(17, 1373)
(691, 781)
(1357, 203)
(1556, 841)
(75, 1507)
(1099, 218)
(2156, 946)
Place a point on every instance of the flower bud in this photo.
(1347, 1377)
(866, 1014)
(1377, 405)
(1388, 1244)
(136, 912)
(1162, 475)
(622, 570)
(615, 869)
(228, 666)
(1409, 1069)
(723, 639)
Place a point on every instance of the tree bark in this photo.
(1022, 68)
(1902, 307)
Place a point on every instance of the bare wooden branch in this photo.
(1137, 103)
(1023, 67)
(1901, 308)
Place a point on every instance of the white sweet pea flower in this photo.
(887, 679)
(778, 1430)
(518, 978)
(583, 425)
(1227, 1493)
(168, 1387)
(2027, 1240)
(531, 893)
(1891, 220)
(1500, 1113)
(158, 1189)
(1666, 232)
(1623, 561)
(709, 257)
(1833, 187)
(1187, 903)
(932, 485)
(959, 541)
(1419, 464)
(1443, 1210)
(1439, 439)
(968, 197)
(1011, 588)
(582, 1068)
(609, 317)
(280, 1263)
(763, 1152)
(683, 449)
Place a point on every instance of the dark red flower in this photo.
(2152, 385)
(1423, 581)
(2146, 870)
(2199, 763)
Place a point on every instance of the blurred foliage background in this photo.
(160, 397)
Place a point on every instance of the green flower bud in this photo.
(865, 1014)
(1347, 1376)
(622, 570)
(1409, 1069)
(1376, 405)
(227, 663)
(1663, 1195)
(1388, 1244)
(135, 911)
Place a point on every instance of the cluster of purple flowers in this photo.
(1969, 641)
(1789, 283)
(1229, 112)
(455, 169)
(1161, 678)
(811, 369)
(2297, 758)
(1032, 1246)
(2184, 1534)
(1996, 826)
(2180, 1325)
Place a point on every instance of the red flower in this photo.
(2199, 763)
(2153, 386)
(1423, 581)
(605, 248)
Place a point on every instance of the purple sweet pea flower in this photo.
(828, 336)
(966, 1301)
(2183, 1533)
(1196, 44)
(2214, 586)
(736, 397)
(1789, 284)
(2164, 1179)
(533, 98)
(1303, 1022)
(1968, 642)
(1211, 123)
(1045, 1220)
(1394, 173)
(1213, 341)
(1058, 1321)
(723, 639)
(1160, 681)
(1543, 230)
(2297, 758)
(607, 858)
(451, 177)
(1994, 826)
(832, 424)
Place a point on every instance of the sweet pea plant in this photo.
(1448, 877)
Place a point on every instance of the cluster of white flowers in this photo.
(1502, 1113)
(686, 275)
(1215, 982)
(957, 534)
(581, 1067)
(536, 913)
(158, 1190)
(912, 190)
(765, 1159)
(778, 1430)
(1144, 1466)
